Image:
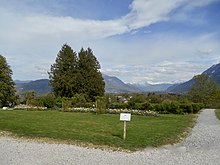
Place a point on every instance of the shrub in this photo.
(197, 107)
(117, 106)
(174, 108)
(138, 106)
(79, 100)
(187, 107)
(145, 106)
(48, 100)
(89, 105)
(100, 105)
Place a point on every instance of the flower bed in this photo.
(115, 111)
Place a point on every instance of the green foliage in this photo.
(48, 100)
(91, 81)
(197, 107)
(100, 105)
(7, 89)
(58, 102)
(37, 102)
(79, 100)
(72, 74)
(64, 73)
(175, 107)
(159, 103)
(154, 98)
(188, 108)
(145, 106)
(205, 90)
(117, 106)
(138, 106)
(138, 98)
(217, 113)
(67, 104)
(27, 96)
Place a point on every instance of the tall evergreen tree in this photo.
(7, 89)
(91, 81)
(72, 74)
(64, 73)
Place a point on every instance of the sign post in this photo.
(125, 117)
(124, 136)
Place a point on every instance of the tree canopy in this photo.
(204, 90)
(74, 73)
(91, 80)
(64, 72)
(7, 89)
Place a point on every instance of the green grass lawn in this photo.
(217, 113)
(100, 130)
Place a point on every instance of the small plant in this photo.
(100, 105)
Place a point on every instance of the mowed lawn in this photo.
(100, 130)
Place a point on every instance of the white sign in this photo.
(125, 117)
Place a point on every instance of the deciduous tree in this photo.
(205, 90)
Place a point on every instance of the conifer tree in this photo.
(91, 80)
(72, 74)
(7, 85)
(64, 72)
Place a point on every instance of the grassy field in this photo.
(100, 130)
(217, 112)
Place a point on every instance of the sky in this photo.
(138, 41)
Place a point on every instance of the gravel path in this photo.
(201, 147)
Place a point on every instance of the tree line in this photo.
(76, 81)
(72, 73)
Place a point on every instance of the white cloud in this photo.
(143, 13)
(183, 14)
(197, 3)
(165, 58)
(175, 72)
(205, 51)
(32, 39)
(147, 12)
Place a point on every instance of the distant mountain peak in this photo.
(115, 85)
(213, 71)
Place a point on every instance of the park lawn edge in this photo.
(217, 113)
(77, 143)
(180, 137)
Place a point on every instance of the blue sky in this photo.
(139, 41)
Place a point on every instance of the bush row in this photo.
(177, 108)
(173, 107)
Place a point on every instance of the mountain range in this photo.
(115, 85)
(41, 86)
(213, 71)
(112, 85)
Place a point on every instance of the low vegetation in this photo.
(217, 113)
(98, 130)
